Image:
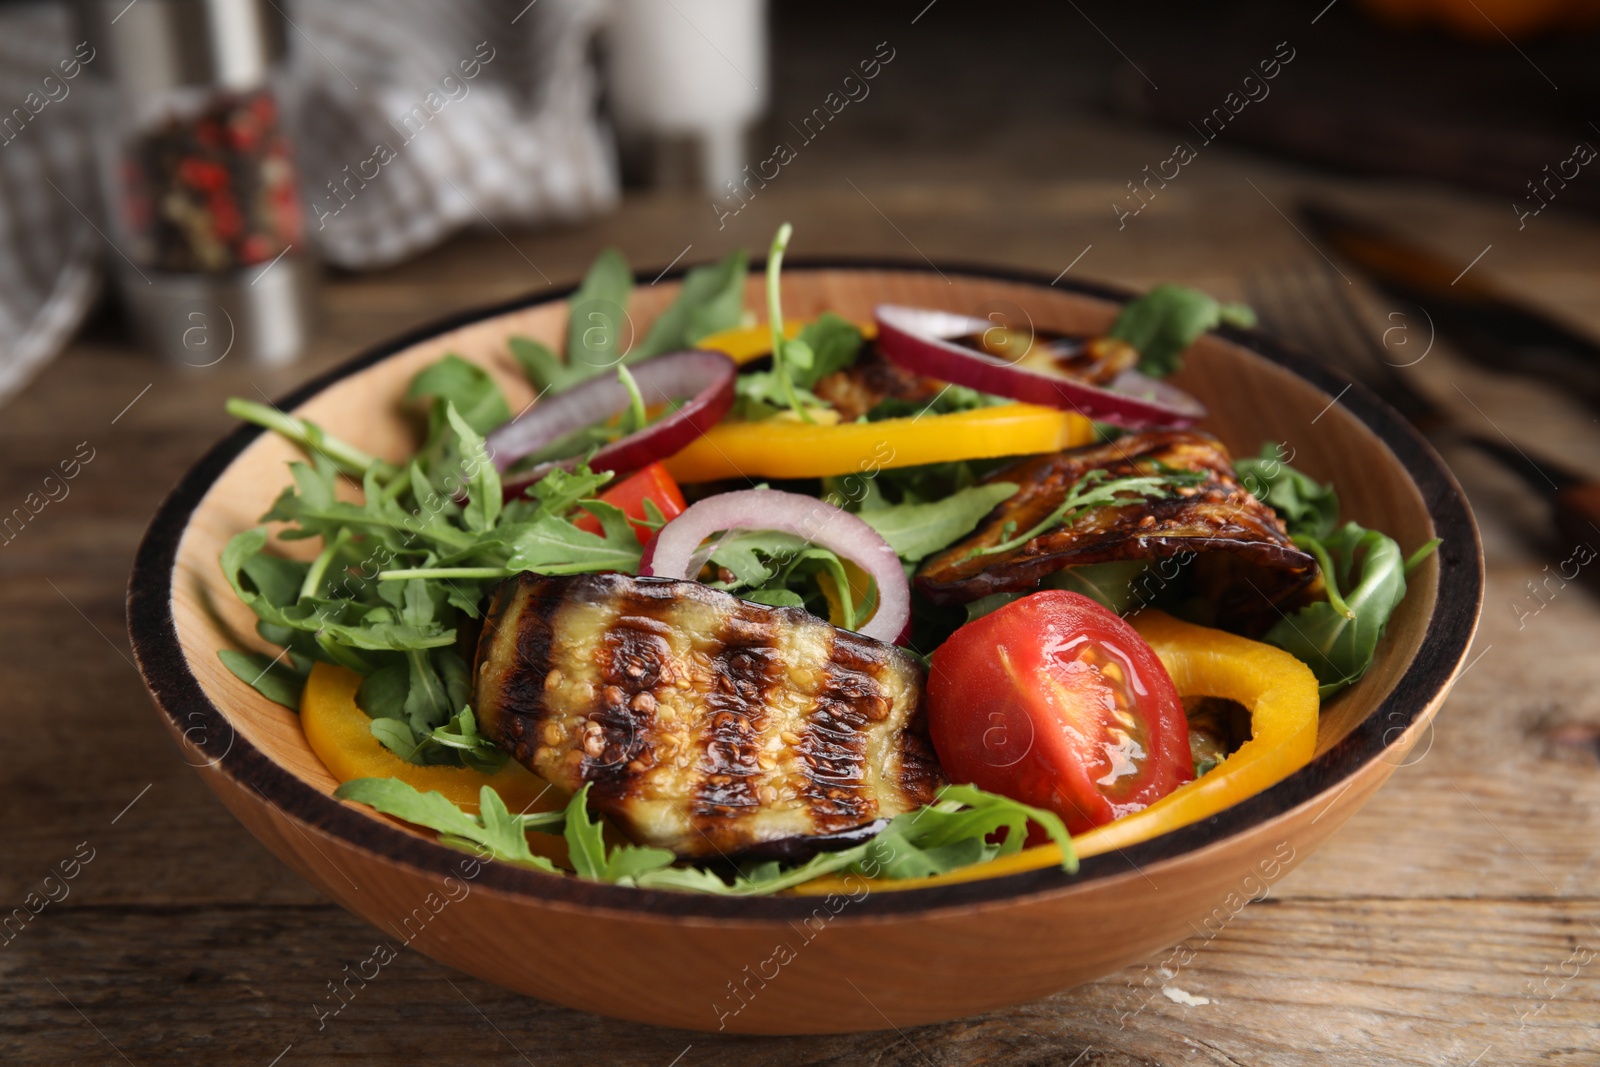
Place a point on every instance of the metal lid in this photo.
(155, 45)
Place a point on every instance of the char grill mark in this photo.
(618, 743)
(833, 746)
(707, 724)
(1232, 534)
(743, 675)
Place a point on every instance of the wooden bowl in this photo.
(865, 961)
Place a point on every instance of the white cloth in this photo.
(517, 141)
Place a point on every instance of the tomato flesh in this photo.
(651, 483)
(1055, 701)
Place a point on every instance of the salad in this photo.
(748, 606)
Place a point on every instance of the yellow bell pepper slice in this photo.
(339, 733)
(789, 448)
(1280, 693)
(783, 449)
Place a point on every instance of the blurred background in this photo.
(200, 200)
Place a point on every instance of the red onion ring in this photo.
(919, 340)
(675, 550)
(706, 378)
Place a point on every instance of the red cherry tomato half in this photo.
(1055, 701)
(651, 483)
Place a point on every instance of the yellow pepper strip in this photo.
(1280, 693)
(788, 448)
(783, 449)
(339, 733)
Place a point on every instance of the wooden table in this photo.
(1452, 922)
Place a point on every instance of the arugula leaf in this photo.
(1339, 645)
(466, 385)
(494, 830)
(948, 834)
(834, 343)
(398, 737)
(586, 842)
(598, 310)
(475, 750)
(711, 300)
(1168, 319)
(559, 491)
(483, 481)
(553, 545)
(1093, 491)
(761, 394)
(278, 681)
(952, 832)
(917, 530)
(755, 557)
(545, 370)
(382, 694)
(1308, 508)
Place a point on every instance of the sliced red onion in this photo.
(704, 379)
(675, 551)
(919, 339)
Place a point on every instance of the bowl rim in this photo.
(179, 697)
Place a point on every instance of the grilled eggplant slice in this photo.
(707, 724)
(1243, 561)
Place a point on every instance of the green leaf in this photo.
(382, 694)
(586, 841)
(1094, 491)
(917, 530)
(777, 598)
(1370, 572)
(506, 835)
(1168, 319)
(494, 830)
(274, 680)
(711, 300)
(278, 579)
(598, 312)
(544, 370)
(467, 386)
(427, 704)
(755, 557)
(471, 748)
(397, 737)
(952, 832)
(242, 559)
(552, 545)
(761, 394)
(628, 862)
(833, 343)
(483, 481)
(1308, 508)
(559, 491)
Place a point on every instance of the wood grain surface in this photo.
(1454, 921)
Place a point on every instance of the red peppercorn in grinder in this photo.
(198, 178)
